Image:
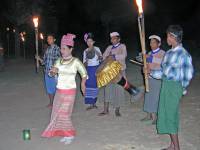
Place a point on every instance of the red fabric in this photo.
(60, 123)
(54, 133)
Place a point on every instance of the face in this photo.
(50, 40)
(114, 40)
(90, 42)
(66, 51)
(154, 44)
(171, 40)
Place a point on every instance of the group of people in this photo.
(169, 74)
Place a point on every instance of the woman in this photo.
(91, 59)
(66, 67)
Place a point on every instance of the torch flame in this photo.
(35, 21)
(23, 39)
(41, 36)
(139, 4)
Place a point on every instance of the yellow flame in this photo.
(41, 36)
(139, 4)
(35, 21)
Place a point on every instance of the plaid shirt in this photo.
(50, 56)
(176, 66)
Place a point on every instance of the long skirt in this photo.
(91, 86)
(168, 111)
(152, 97)
(114, 93)
(60, 123)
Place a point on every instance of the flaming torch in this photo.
(142, 41)
(35, 21)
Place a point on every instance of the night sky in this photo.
(104, 16)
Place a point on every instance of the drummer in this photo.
(113, 92)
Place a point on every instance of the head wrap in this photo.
(155, 37)
(68, 40)
(114, 34)
(176, 31)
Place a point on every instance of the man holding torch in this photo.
(50, 56)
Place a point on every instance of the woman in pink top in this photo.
(66, 67)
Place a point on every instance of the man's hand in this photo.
(38, 58)
(146, 69)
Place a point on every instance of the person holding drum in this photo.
(114, 93)
(92, 57)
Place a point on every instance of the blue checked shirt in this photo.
(50, 56)
(176, 66)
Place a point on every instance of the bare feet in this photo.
(117, 113)
(147, 118)
(50, 105)
(103, 113)
(171, 147)
(91, 107)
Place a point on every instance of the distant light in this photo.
(41, 36)
(24, 33)
(23, 39)
(14, 30)
(7, 29)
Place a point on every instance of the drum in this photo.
(107, 71)
(110, 72)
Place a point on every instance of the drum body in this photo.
(107, 71)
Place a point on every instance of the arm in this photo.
(187, 70)
(107, 52)
(84, 58)
(81, 69)
(122, 55)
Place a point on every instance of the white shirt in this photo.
(95, 60)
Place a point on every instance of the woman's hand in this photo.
(53, 71)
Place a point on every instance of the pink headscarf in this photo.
(68, 40)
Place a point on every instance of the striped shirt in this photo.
(176, 66)
(51, 54)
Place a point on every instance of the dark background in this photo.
(100, 17)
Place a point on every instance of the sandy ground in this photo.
(23, 106)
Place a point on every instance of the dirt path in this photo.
(23, 105)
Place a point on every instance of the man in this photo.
(114, 93)
(51, 54)
(154, 59)
(176, 73)
(1, 56)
